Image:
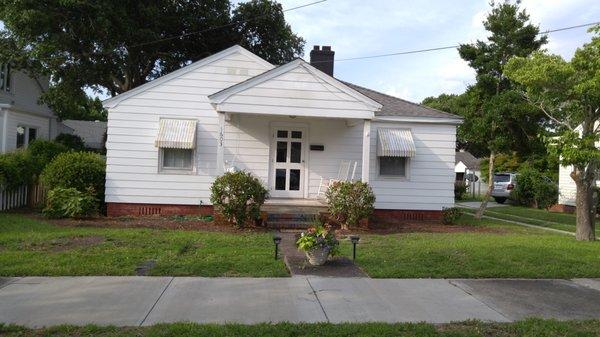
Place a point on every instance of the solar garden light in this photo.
(354, 239)
(276, 241)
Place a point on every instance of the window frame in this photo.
(26, 140)
(175, 170)
(406, 175)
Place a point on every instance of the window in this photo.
(177, 159)
(5, 77)
(25, 135)
(392, 166)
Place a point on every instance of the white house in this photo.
(22, 117)
(292, 126)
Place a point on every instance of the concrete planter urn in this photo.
(317, 256)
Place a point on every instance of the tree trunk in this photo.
(586, 207)
(486, 198)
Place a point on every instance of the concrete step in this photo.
(291, 220)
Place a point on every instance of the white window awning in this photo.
(395, 143)
(176, 134)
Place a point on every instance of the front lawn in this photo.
(32, 247)
(531, 327)
(505, 251)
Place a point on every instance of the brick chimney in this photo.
(322, 59)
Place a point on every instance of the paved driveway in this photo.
(133, 301)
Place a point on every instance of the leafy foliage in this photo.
(545, 162)
(569, 95)
(533, 189)
(460, 188)
(42, 152)
(450, 215)
(238, 196)
(73, 142)
(16, 168)
(114, 46)
(70, 203)
(78, 170)
(350, 201)
(318, 237)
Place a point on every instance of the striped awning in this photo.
(176, 134)
(395, 143)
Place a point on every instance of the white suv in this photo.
(504, 183)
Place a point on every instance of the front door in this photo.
(287, 162)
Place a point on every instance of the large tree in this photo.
(501, 121)
(117, 45)
(569, 94)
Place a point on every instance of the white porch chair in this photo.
(345, 173)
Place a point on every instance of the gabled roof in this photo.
(468, 159)
(394, 106)
(223, 95)
(113, 101)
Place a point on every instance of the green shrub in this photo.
(460, 189)
(70, 203)
(16, 169)
(451, 215)
(349, 202)
(238, 196)
(533, 189)
(73, 142)
(79, 170)
(42, 152)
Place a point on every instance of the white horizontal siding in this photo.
(430, 182)
(566, 186)
(17, 118)
(132, 159)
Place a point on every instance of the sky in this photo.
(360, 28)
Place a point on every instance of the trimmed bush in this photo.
(78, 170)
(42, 152)
(533, 189)
(460, 189)
(16, 169)
(451, 215)
(70, 203)
(238, 196)
(72, 142)
(349, 202)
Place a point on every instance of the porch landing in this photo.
(292, 213)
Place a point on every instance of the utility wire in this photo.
(416, 51)
(221, 26)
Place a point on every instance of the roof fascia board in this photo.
(431, 120)
(114, 101)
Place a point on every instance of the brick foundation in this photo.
(123, 209)
(394, 216)
(559, 208)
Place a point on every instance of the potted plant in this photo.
(318, 243)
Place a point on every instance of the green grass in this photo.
(527, 328)
(514, 251)
(30, 247)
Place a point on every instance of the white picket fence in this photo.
(22, 196)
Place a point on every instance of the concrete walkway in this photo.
(134, 301)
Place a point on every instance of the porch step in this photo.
(291, 220)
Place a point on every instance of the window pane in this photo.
(392, 166)
(282, 134)
(32, 135)
(20, 136)
(281, 152)
(280, 179)
(294, 180)
(296, 152)
(296, 134)
(177, 158)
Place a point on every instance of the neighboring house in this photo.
(91, 132)
(465, 164)
(566, 190)
(290, 126)
(22, 118)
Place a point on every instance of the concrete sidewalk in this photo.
(133, 301)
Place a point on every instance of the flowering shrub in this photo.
(350, 201)
(317, 237)
(451, 215)
(238, 196)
